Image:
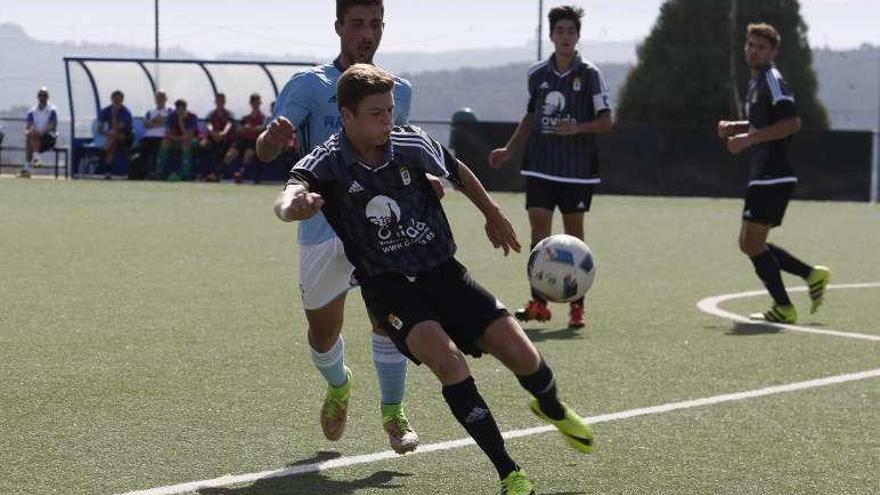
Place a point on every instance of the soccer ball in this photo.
(561, 268)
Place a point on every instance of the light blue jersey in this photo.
(308, 100)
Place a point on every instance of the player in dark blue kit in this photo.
(568, 105)
(773, 119)
(370, 182)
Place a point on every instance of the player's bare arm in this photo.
(296, 202)
(437, 185)
(498, 228)
(498, 157)
(780, 130)
(271, 142)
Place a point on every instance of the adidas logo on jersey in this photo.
(747, 214)
(355, 188)
(544, 85)
(581, 205)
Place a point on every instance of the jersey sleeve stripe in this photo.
(404, 140)
(775, 88)
(310, 162)
(537, 67)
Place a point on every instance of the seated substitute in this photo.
(370, 181)
(154, 124)
(215, 145)
(181, 135)
(251, 126)
(40, 131)
(115, 123)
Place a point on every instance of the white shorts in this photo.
(324, 273)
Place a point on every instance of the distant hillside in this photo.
(849, 86)
(494, 93)
(26, 64)
(490, 81)
(621, 52)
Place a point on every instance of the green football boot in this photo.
(777, 314)
(516, 483)
(334, 413)
(575, 429)
(401, 436)
(817, 282)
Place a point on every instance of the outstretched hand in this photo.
(726, 129)
(498, 157)
(297, 204)
(280, 132)
(501, 234)
(306, 202)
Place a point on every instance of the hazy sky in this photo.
(304, 27)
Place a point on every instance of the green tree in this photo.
(683, 76)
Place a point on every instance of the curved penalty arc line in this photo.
(710, 305)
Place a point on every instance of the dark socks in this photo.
(767, 269)
(543, 387)
(471, 411)
(789, 263)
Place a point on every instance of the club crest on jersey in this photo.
(404, 176)
(576, 85)
(394, 321)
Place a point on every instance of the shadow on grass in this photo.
(757, 328)
(312, 483)
(543, 334)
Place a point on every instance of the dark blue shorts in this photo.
(766, 204)
(546, 194)
(446, 294)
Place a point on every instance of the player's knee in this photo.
(506, 340)
(750, 247)
(449, 365)
(324, 331)
(430, 345)
(322, 339)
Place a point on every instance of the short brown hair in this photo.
(360, 81)
(766, 31)
(566, 13)
(343, 5)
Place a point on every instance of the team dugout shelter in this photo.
(91, 80)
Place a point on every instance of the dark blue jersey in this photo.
(388, 217)
(308, 100)
(577, 95)
(769, 100)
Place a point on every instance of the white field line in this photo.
(710, 305)
(455, 444)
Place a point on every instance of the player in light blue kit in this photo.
(308, 102)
